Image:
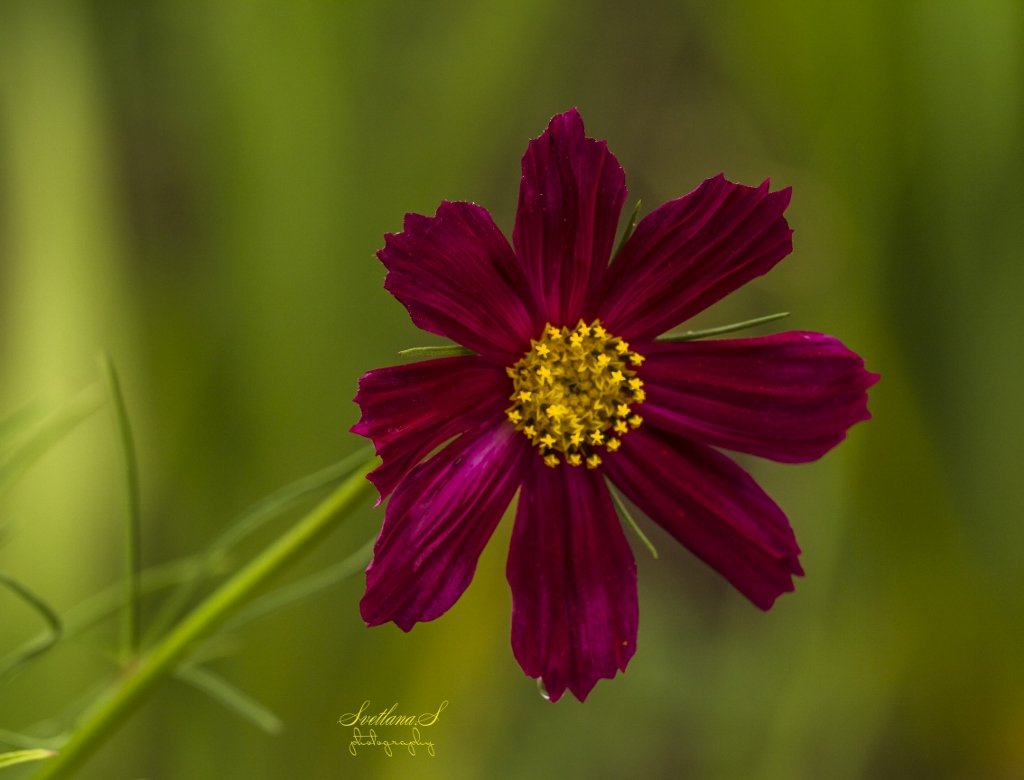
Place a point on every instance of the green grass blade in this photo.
(289, 496)
(302, 589)
(627, 517)
(37, 442)
(24, 756)
(231, 697)
(128, 691)
(108, 602)
(42, 643)
(448, 350)
(22, 741)
(630, 227)
(18, 420)
(254, 518)
(690, 335)
(130, 630)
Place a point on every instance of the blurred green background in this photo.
(200, 190)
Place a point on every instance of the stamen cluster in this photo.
(574, 393)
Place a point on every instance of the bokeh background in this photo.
(199, 188)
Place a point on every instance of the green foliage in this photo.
(24, 756)
(43, 643)
(130, 630)
(690, 335)
(201, 190)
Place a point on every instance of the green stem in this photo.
(446, 350)
(250, 521)
(44, 643)
(130, 631)
(690, 335)
(137, 681)
(630, 227)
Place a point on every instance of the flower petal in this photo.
(437, 523)
(692, 251)
(573, 580)
(409, 410)
(570, 199)
(789, 397)
(713, 507)
(458, 277)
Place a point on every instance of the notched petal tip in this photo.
(456, 274)
(573, 581)
(692, 251)
(570, 199)
(712, 507)
(790, 397)
(570, 121)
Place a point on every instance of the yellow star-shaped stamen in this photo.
(573, 391)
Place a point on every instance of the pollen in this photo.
(575, 393)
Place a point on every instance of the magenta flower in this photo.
(569, 390)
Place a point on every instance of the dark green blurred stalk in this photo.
(139, 680)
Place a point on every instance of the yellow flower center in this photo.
(574, 393)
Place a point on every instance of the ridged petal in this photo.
(573, 580)
(790, 397)
(458, 277)
(570, 199)
(409, 410)
(437, 524)
(692, 251)
(713, 507)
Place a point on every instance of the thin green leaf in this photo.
(234, 699)
(24, 741)
(18, 420)
(448, 350)
(303, 589)
(128, 690)
(24, 756)
(625, 514)
(110, 601)
(276, 504)
(630, 227)
(130, 631)
(289, 496)
(40, 644)
(690, 335)
(37, 442)
(217, 648)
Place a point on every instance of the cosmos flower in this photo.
(569, 389)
